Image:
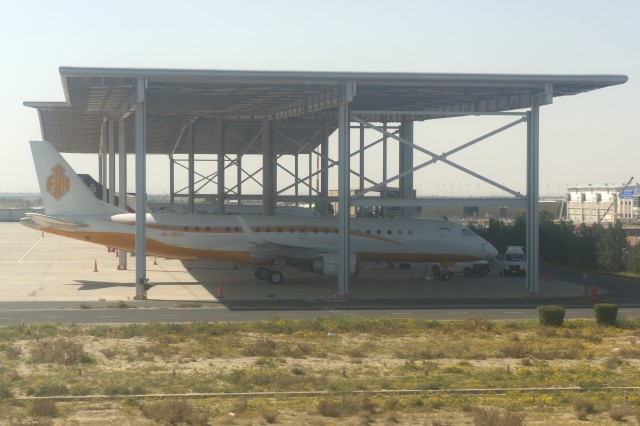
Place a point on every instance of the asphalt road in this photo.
(40, 313)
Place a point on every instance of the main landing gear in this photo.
(272, 275)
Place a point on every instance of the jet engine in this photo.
(327, 265)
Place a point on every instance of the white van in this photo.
(513, 262)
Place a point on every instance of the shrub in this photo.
(617, 413)
(494, 417)
(170, 411)
(59, 351)
(551, 315)
(606, 313)
(44, 408)
(329, 408)
(582, 407)
(270, 416)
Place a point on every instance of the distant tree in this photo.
(633, 259)
(318, 207)
(585, 246)
(612, 247)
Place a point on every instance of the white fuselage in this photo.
(190, 236)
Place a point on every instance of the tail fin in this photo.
(63, 192)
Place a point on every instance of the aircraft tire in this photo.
(435, 270)
(446, 276)
(262, 273)
(276, 277)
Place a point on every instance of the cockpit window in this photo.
(466, 233)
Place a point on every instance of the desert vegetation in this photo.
(337, 370)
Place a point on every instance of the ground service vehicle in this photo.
(513, 262)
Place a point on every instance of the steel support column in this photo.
(111, 124)
(361, 156)
(268, 170)
(385, 210)
(172, 179)
(533, 188)
(104, 179)
(141, 189)
(406, 163)
(192, 166)
(532, 200)
(310, 178)
(122, 183)
(344, 190)
(239, 177)
(296, 172)
(220, 139)
(324, 174)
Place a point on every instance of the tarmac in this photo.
(45, 267)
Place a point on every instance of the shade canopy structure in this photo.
(276, 113)
(299, 104)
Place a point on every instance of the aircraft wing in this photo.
(267, 249)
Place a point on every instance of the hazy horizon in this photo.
(586, 138)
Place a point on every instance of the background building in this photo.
(602, 203)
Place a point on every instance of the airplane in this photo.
(268, 242)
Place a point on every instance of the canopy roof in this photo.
(301, 105)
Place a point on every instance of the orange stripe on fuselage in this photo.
(125, 241)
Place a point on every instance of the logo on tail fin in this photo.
(58, 182)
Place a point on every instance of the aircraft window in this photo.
(410, 232)
(227, 229)
(444, 232)
(399, 232)
(237, 229)
(208, 229)
(164, 229)
(197, 228)
(267, 230)
(389, 232)
(335, 231)
(315, 231)
(326, 230)
(303, 230)
(279, 230)
(186, 228)
(175, 228)
(291, 230)
(368, 231)
(379, 232)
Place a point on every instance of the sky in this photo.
(588, 138)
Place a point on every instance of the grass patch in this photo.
(360, 354)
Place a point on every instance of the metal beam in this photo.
(438, 202)
(533, 188)
(141, 189)
(104, 179)
(344, 195)
(436, 157)
(268, 170)
(324, 174)
(405, 157)
(122, 182)
(221, 192)
(192, 165)
(112, 161)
